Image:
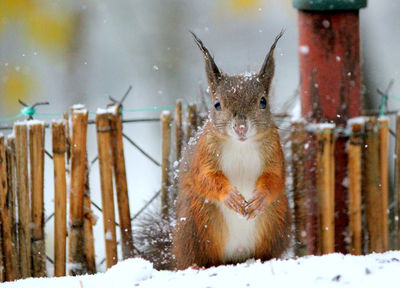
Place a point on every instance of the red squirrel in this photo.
(231, 200)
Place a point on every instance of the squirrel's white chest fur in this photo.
(242, 164)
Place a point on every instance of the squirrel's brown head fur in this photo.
(241, 102)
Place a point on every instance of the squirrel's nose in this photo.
(240, 128)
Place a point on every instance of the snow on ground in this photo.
(334, 270)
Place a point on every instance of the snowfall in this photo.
(333, 270)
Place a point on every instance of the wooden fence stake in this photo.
(67, 137)
(24, 235)
(326, 188)
(89, 220)
(36, 155)
(397, 184)
(191, 121)
(60, 196)
(166, 146)
(107, 197)
(11, 174)
(2, 268)
(76, 242)
(298, 137)
(121, 185)
(178, 129)
(383, 129)
(372, 188)
(5, 216)
(355, 184)
(311, 194)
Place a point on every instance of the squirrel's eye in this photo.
(263, 103)
(217, 105)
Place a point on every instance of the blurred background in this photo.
(69, 52)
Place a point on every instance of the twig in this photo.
(145, 206)
(140, 149)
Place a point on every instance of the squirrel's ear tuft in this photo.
(212, 71)
(267, 70)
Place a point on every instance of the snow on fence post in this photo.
(5, 216)
(383, 130)
(36, 157)
(165, 165)
(355, 188)
(24, 235)
(372, 187)
(58, 129)
(76, 242)
(178, 129)
(298, 137)
(11, 175)
(326, 187)
(120, 182)
(191, 121)
(397, 184)
(107, 198)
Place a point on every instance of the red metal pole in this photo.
(330, 70)
(330, 81)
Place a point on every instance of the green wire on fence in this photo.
(12, 118)
(24, 111)
(383, 106)
(32, 112)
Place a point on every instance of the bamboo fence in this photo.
(368, 187)
(22, 241)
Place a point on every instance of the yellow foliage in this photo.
(39, 22)
(16, 84)
(244, 5)
(15, 8)
(43, 25)
(49, 29)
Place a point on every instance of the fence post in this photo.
(104, 151)
(373, 191)
(67, 137)
(88, 222)
(191, 121)
(5, 216)
(120, 183)
(24, 237)
(36, 155)
(76, 242)
(11, 174)
(326, 187)
(397, 184)
(58, 129)
(2, 268)
(311, 193)
(355, 184)
(298, 136)
(178, 129)
(383, 130)
(166, 145)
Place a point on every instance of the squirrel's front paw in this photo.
(236, 201)
(257, 204)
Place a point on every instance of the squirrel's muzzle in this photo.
(241, 128)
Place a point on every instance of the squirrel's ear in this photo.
(212, 71)
(267, 70)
